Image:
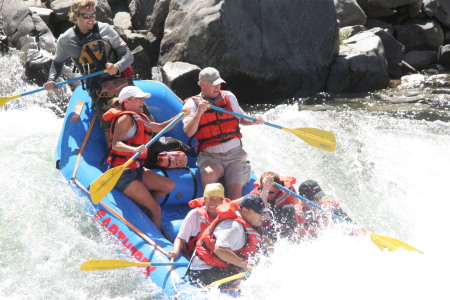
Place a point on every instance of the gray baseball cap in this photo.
(210, 75)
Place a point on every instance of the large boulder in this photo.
(393, 51)
(261, 48)
(439, 9)
(420, 34)
(349, 13)
(29, 34)
(360, 67)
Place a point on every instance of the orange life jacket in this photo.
(206, 244)
(143, 136)
(282, 198)
(311, 220)
(205, 221)
(216, 127)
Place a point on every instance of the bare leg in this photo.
(233, 191)
(210, 173)
(140, 194)
(158, 185)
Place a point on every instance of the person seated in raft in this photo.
(130, 130)
(311, 220)
(231, 242)
(281, 205)
(198, 219)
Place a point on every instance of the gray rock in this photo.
(372, 23)
(392, 3)
(420, 60)
(439, 9)
(179, 76)
(360, 67)
(141, 65)
(393, 51)
(254, 44)
(373, 11)
(349, 13)
(444, 56)
(420, 35)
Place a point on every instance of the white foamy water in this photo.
(389, 174)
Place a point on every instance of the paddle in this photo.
(228, 279)
(111, 264)
(106, 182)
(4, 100)
(379, 240)
(318, 138)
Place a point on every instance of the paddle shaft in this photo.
(242, 116)
(66, 82)
(228, 279)
(111, 264)
(307, 201)
(156, 137)
(379, 240)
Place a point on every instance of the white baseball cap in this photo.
(132, 91)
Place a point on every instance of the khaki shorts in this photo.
(233, 163)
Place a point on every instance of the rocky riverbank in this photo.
(265, 50)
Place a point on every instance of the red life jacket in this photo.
(311, 220)
(282, 198)
(205, 221)
(143, 136)
(206, 244)
(216, 127)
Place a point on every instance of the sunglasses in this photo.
(88, 16)
(271, 192)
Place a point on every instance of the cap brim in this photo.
(218, 81)
(265, 210)
(319, 195)
(143, 95)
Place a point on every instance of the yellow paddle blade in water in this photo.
(4, 100)
(110, 264)
(318, 138)
(105, 183)
(390, 243)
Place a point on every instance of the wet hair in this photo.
(115, 103)
(276, 178)
(78, 5)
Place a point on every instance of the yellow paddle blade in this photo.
(318, 138)
(110, 264)
(228, 279)
(4, 100)
(105, 183)
(390, 243)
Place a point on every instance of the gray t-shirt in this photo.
(69, 46)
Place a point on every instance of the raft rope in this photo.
(83, 145)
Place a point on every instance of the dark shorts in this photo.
(206, 277)
(128, 176)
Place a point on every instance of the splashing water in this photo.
(389, 173)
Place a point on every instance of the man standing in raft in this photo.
(93, 46)
(218, 134)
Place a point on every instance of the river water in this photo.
(389, 172)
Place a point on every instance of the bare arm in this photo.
(191, 126)
(177, 246)
(227, 255)
(122, 126)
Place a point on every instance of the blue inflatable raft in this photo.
(79, 157)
